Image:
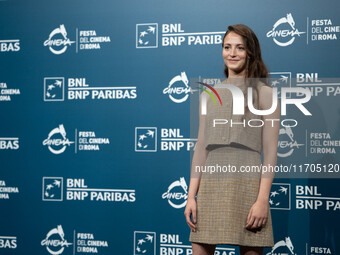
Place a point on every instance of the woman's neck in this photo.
(232, 74)
(238, 81)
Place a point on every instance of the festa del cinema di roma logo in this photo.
(58, 46)
(284, 37)
(238, 101)
(55, 241)
(177, 193)
(178, 88)
(57, 141)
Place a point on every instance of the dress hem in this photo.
(234, 243)
(237, 242)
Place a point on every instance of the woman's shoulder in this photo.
(261, 84)
(264, 88)
(265, 94)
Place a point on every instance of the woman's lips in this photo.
(232, 60)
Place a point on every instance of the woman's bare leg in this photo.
(247, 250)
(203, 249)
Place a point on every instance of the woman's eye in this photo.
(227, 47)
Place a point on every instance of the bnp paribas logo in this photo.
(147, 35)
(146, 139)
(54, 89)
(144, 243)
(52, 189)
(280, 196)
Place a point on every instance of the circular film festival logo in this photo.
(287, 144)
(178, 88)
(55, 242)
(57, 141)
(284, 36)
(283, 247)
(56, 44)
(177, 193)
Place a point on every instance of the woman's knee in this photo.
(247, 250)
(203, 249)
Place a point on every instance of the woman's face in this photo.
(234, 54)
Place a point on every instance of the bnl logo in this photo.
(281, 80)
(52, 189)
(146, 139)
(144, 243)
(147, 35)
(280, 196)
(54, 89)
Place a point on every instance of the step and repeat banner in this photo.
(95, 137)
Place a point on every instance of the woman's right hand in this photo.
(191, 209)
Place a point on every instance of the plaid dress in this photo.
(224, 198)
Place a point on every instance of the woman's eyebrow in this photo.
(236, 44)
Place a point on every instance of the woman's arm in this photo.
(270, 138)
(199, 159)
(270, 135)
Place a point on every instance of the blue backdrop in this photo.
(95, 126)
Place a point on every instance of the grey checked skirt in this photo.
(224, 201)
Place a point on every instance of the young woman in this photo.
(234, 209)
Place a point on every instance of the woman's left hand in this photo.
(258, 215)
